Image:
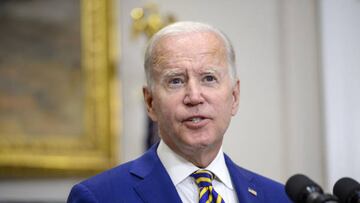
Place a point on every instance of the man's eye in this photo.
(209, 78)
(175, 82)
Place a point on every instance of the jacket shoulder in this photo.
(269, 190)
(109, 186)
(116, 184)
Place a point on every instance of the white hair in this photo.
(184, 28)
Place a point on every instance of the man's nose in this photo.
(194, 94)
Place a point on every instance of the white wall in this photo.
(277, 130)
(340, 22)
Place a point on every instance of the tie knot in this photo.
(203, 178)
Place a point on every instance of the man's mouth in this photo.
(196, 119)
(196, 122)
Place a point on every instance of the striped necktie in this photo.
(207, 193)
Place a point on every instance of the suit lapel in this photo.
(155, 184)
(246, 189)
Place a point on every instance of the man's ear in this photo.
(148, 99)
(236, 97)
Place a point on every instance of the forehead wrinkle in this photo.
(171, 68)
(170, 55)
(170, 60)
(167, 56)
(179, 60)
(217, 55)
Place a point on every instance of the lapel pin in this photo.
(252, 191)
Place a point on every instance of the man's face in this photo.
(193, 97)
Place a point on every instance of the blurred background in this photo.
(299, 67)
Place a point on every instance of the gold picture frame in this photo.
(93, 145)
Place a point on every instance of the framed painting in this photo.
(58, 101)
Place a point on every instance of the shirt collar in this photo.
(179, 168)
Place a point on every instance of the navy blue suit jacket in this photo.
(146, 180)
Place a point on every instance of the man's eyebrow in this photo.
(210, 70)
(171, 73)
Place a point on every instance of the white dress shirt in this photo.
(180, 170)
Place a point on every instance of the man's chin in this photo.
(205, 144)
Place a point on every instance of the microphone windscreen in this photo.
(345, 188)
(298, 187)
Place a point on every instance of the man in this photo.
(192, 92)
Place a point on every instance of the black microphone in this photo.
(347, 190)
(302, 189)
